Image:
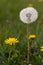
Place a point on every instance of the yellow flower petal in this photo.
(40, 0)
(30, 5)
(11, 41)
(32, 36)
(41, 49)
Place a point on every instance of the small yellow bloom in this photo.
(40, 0)
(30, 5)
(11, 41)
(32, 36)
(41, 49)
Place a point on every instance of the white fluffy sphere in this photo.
(28, 15)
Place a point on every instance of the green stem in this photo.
(28, 48)
(9, 54)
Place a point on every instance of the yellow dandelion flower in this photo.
(11, 41)
(41, 49)
(32, 36)
(40, 0)
(30, 5)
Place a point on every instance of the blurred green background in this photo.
(10, 24)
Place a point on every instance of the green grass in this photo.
(10, 24)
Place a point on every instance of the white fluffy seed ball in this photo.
(28, 15)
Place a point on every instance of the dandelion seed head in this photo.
(28, 15)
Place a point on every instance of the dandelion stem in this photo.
(9, 54)
(28, 48)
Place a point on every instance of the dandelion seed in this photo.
(30, 64)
